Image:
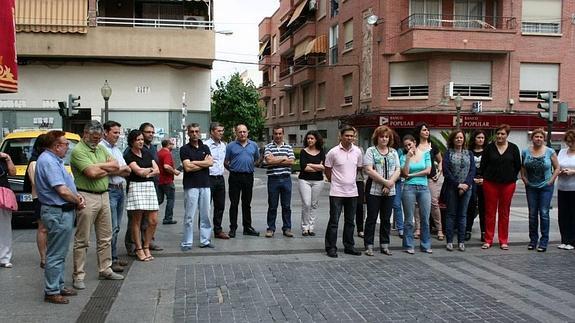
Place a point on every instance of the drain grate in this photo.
(101, 301)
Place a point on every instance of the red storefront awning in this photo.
(448, 121)
(8, 62)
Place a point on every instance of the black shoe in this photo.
(169, 222)
(311, 234)
(467, 236)
(352, 252)
(530, 247)
(251, 232)
(232, 234)
(541, 249)
(332, 254)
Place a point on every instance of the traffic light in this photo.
(547, 105)
(563, 112)
(62, 109)
(73, 104)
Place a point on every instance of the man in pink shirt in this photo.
(341, 165)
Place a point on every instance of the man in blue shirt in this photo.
(240, 157)
(59, 198)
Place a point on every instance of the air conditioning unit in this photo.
(312, 5)
(448, 90)
(191, 22)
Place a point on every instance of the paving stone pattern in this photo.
(343, 291)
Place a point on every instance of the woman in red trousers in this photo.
(500, 164)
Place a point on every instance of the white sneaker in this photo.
(561, 246)
(568, 247)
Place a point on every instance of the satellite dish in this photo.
(372, 20)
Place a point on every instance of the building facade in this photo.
(151, 52)
(369, 63)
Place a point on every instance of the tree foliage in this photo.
(235, 102)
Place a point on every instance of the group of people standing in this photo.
(403, 177)
(479, 178)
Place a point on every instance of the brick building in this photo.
(324, 62)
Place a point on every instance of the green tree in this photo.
(235, 102)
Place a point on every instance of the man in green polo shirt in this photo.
(91, 165)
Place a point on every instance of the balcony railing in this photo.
(442, 21)
(154, 23)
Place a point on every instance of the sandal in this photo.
(486, 246)
(139, 251)
(148, 254)
(504, 247)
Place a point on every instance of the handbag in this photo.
(8, 199)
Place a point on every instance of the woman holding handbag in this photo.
(6, 169)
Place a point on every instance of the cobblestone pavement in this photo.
(464, 287)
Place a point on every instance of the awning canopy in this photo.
(8, 64)
(263, 47)
(300, 49)
(317, 46)
(297, 12)
(69, 16)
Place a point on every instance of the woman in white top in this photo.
(566, 192)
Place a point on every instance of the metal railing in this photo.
(154, 23)
(443, 21)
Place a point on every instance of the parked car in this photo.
(18, 145)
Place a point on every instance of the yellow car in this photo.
(18, 145)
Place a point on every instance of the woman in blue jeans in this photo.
(458, 171)
(539, 169)
(415, 166)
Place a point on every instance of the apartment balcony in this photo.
(303, 74)
(265, 62)
(286, 45)
(307, 30)
(455, 33)
(265, 29)
(265, 90)
(126, 38)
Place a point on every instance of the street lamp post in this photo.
(458, 103)
(106, 91)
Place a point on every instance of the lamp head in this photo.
(106, 91)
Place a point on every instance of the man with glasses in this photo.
(91, 165)
(59, 199)
(196, 159)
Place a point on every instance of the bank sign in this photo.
(449, 121)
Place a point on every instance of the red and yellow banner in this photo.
(8, 61)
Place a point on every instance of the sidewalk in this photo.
(149, 293)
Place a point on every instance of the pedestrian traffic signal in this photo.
(73, 104)
(563, 112)
(62, 109)
(547, 105)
